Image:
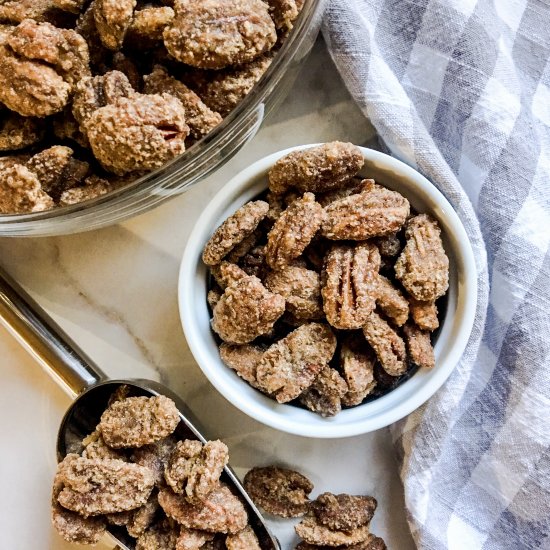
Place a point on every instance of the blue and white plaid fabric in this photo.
(460, 89)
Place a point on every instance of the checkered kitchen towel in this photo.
(460, 89)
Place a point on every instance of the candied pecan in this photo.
(375, 212)
(17, 132)
(357, 364)
(389, 246)
(70, 525)
(138, 421)
(284, 13)
(372, 542)
(245, 311)
(93, 187)
(142, 518)
(244, 247)
(314, 532)
(154, 456)
(87, 28)
(209, 34)
(300, 288)
(112, 19)
(391, 301)
(72, 6)
(223, 90)
(213, 297)
(243, 360)
(57, 170)
(93, 487)
(138, 133)
(387, 344)
(39, 66)
(226, 273)
(291, 365)
(234, 230)
(147, 27)
(293, 231)
(20, 191)
(200, 119)
(349, 282)
(192, 539)
(92, 93)
(318, 169)
(353, 186)
(423, 266)
(194, 469)
(424, 314)
(279, 491)
(243, 540)
(160, 536)
(221, 512)
(343, 512)
(95, 447)
(325, 395)
(419, 346)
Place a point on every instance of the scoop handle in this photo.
(42, 337)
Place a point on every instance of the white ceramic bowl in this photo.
(451, 340)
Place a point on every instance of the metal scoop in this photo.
(89, 386)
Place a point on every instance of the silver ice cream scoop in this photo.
(91, 389)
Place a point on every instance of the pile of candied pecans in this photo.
(95, 93)
(331, 521)
(134, 473)
(325, 292)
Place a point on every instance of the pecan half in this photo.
(419, 346)
(387, 344)
(325, 395)
(423, 266)
(357, 361)
(391, 301)
(350, 277)
(424, 314)
(373, 213)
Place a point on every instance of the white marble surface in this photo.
(114, 292)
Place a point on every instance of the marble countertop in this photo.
(114, 292)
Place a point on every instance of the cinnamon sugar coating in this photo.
(375, 212)
(21, 192)
(350, 279)
(93, 187)
(155, 456)
(17, 132)
(372, 542)
(245, 311)
(96, 448)
(357, 361)
(209, 34)
(301, 288)
(226, 273)
(223, 90)
(291, 365)
(39, 67)
(243, 540)
(200, 119)
(147, 27)
(221, 512)
(138, 133)
(233, 231)
(284, 13)
(314, 532)
(102, 486)
(419, 346)
(279, 491)
(160, 536)
(391, 301)
(293, 231)
(343, 512)
(243, 360)
(192, 539)
(423, 266)
(112, 19)
(387, 344)
(318, 169)
(424, 314)
(325, 395)
(138, 421)
(194, 469)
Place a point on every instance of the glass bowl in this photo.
(205, 156)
